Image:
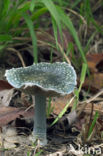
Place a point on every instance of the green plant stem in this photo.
(39, 130)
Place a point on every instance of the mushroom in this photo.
(43, 80)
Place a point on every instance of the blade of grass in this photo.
(38, 13)
(24, 7)
(49, 107)
(33, 35)
(62, 112)
(98, 28)
(83, 74)
(74, 61)
(5, 7)
(75, 3)
(16, 13)
(93, 123)
(38, 153)
(60, 2)
(4, 38)
(89, 41)
(68, 23)
(82, 79)
(87, 10)
(2, 47)
(54, 13)
(70, 49)
(55, 31)
(32, 5)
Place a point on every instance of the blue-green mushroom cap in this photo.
(57, 78)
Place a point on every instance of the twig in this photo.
(93, 97)
(84, 103)
(77, 14)
(19, 55)
(22, 38)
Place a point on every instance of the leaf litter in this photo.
(60, 134)
(62, 141)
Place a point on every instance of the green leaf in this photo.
(54, 13)
(93, 123)
(68, 23)
(62, 112)
(6, 7)
(32, 5)
(55, 31)
(2, 47)
(77, 91)
(83, 73)
(33, 36)
(4, 38)
(38, 13)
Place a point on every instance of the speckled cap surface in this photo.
(56, 77)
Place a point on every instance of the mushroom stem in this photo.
(39, 130)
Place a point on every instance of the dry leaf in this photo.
(95, 82)
(6, 92)
(95, 64)
(8, 114)
(59, 103)
(4, 85)
(6, 96)
(94, 60)
(10, 138)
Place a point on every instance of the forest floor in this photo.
(64, 139)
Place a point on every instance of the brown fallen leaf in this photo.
(6, 96)
(95, 82)
(6, 92)
(60, 102)
(95, 64)
(8, 114)
(5, 85)
(94, 60)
